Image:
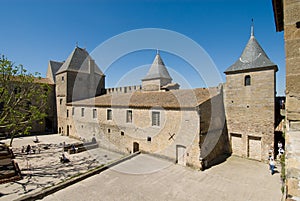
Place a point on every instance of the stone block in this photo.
(292, 65)
(293, 84)
(291, 12)
(291, 32)
(292, 48)
(293, 187)
(294, 125)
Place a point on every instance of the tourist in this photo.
(279, 144)
(94, 140)
(36, 140)
(74, 149)
(64, 159)
(272, 165)
(28, 149)
(270, 153)
(280, 152)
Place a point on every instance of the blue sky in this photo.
(34, 32)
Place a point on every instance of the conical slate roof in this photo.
(157, 70)
(78, 60)
(253, 57)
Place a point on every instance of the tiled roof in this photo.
(34, 80)
(78, 60)
(177, 99)
(253, 57)
(157, 70)
(43, 80)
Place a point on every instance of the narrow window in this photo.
(62, 78)
(67, 113)
(247, 80)
(94, 113)
(73, 111)
(155, 118)
(82, 112)
(60, 101)
(129, 116)
(109, 114)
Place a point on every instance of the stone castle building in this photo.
(194, 127)
(250, 102)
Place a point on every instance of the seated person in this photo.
(64, 159)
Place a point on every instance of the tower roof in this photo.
(78, 60)
(253, 58)
(157, 69)
(53, 67)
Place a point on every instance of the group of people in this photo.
(271, 156)
(30, 149)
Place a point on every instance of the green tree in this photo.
(23, 99)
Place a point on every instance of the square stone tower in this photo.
(78, 78)
(250, 102)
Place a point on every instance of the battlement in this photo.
(126, 89)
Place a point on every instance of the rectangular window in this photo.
(109, 114)
(155, 118)
(67, 113)
(129, 116)
(82, 112)
(94, 113)
(62, 78)
(73, 111)
(60, 101)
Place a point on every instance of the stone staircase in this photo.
(9, 169)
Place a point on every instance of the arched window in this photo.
(247, 80)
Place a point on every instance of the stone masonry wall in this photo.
(177, 129)
(292, 142)
(250, 113)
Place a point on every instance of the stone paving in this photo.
(147, 178)
(44, 169)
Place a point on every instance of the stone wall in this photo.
(72, 86)
(250, 113)
(61, 101)
(177, 130)
(292, 45)
(214, 142)
(292, 143)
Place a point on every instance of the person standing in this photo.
(272, 165)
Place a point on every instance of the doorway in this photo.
(181, 155)
(135, 147)
(68, 130)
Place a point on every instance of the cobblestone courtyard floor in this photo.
(141, 178)
(147, 178)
